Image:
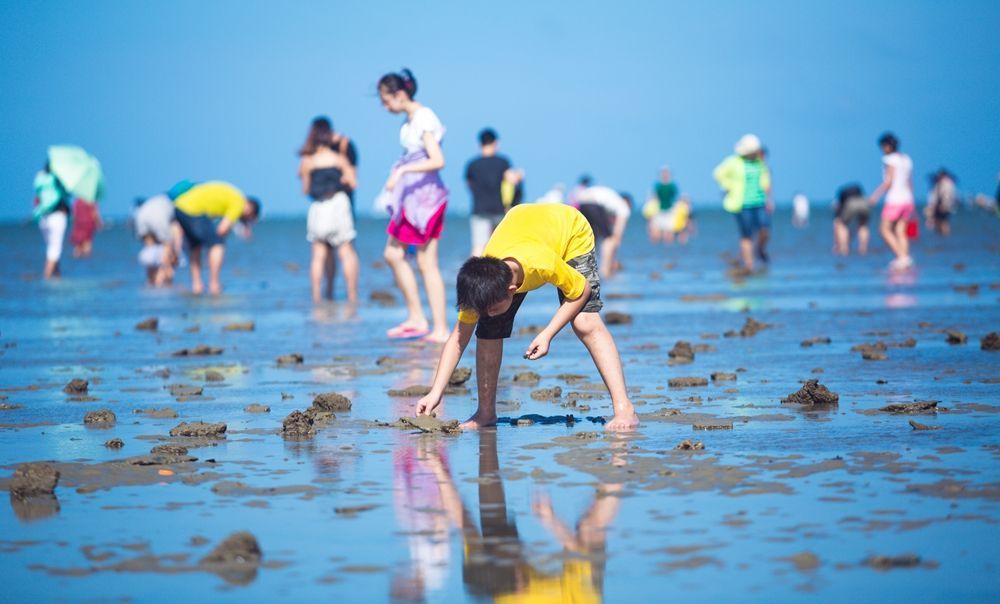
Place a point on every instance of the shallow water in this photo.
(786, 501)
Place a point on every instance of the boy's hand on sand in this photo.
(428, 405)
(538, 348)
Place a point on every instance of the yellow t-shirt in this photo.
(541, 237)
(213, 199)
(574, 586)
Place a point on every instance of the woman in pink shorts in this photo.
(899, 208)
(416, 198)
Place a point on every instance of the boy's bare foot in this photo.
(197, 289)
(479, 420)
(623, 422)
(215, 289)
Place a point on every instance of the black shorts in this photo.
(198, 230)
(500, 327)
(599, 218)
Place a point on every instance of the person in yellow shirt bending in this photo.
(204, 214)
(532, 246)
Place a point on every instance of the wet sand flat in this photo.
(269, 460)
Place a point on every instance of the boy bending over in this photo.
(532, 246)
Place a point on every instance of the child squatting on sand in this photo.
(532, 246)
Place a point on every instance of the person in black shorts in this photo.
(534, 245)
(850, 206)
(485, 175)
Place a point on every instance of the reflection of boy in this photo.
(532, 246)
(205, 214)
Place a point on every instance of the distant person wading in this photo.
(327, 178)
(747, 183)
(485, 176)
(899, 209)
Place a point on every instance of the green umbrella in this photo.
(78, 171)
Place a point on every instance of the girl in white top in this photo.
(416, 199)
(897, 186)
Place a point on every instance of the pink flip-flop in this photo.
(407, 333)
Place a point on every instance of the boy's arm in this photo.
(451, 354)
(568, 310)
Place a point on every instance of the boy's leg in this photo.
(197, 287)
(594, 334)
(746, 252)
(762, 237)
(216, 253)
(489, 354)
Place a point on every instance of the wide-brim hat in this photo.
(747, 145)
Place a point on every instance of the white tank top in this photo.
(901, 190)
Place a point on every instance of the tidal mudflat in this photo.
(826, 429)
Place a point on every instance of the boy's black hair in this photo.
(253, 201)
(889, 140)
(487, 136)
(627, 197)
(482, 282)
(585, 180)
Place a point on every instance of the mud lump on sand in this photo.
(76, 386)
(813, 394)
(101, 416)
(217, 430)
(32, 479)
(990, 342)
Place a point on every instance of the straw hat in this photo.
(747, 145)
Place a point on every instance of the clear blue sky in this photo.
(225, 90)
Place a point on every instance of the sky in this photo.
(225, 90)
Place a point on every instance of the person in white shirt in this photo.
(607, 211)
(899, 209)
(416, 199)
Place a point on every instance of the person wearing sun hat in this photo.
(747, 183)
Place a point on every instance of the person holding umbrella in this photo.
(204, 215)
(52, 214)
(81, 177)
(70, 173)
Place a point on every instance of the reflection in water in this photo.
(901, 278)
(419, 509)
(335, 312)
(34, 508)
(494, 563)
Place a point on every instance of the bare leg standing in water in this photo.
(427, 260)
(897, 186)
(406, 281)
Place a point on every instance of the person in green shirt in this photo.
(747, 183)
(659, 208)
